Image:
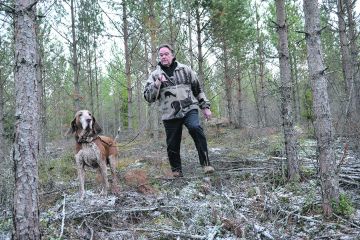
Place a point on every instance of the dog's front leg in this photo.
(81, 175)
(115, 182)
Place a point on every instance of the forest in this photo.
(283, 80)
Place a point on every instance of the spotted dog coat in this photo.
(93, 150)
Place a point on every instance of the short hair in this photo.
(168, 46)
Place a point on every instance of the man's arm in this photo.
(151, 92)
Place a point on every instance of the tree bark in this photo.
(200, 56)
(354, 50)
(344, 49)
(75, 63)
(261, 56)
(322, 116)
(127, 67)
(227, 80)
(26, 141)
(153, 115)
(188, 14)
(41, 92)
(286, 94)
(240, 120)
(2, 104)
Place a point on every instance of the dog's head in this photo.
(83, 122)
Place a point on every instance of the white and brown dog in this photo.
(93, 150)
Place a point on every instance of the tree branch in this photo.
(10, 9)
(28, 8)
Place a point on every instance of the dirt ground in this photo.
(247, 197)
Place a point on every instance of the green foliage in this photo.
(62, 169)
(276, 146)
(344, 207)
(251, 192)
(307, 111)
(6, 225)
(307, 173)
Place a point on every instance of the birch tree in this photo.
(324, 131)
(26, 140)
(286, 93)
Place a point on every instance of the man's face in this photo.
(165, 56)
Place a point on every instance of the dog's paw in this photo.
(103, 192)
(115, 189)
(82, 197)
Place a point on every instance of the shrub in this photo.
(344, 207)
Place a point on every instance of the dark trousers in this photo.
(173, 129)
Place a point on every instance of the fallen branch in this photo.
(344, 220)
(171, 232)
(343, 157)
(262, 231)
(63, 218)
(213, 233)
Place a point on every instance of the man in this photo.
(180, 95)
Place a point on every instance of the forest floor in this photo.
(247, 197)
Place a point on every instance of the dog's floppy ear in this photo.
(96, 127)
(73, 128)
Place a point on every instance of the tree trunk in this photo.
(2, 131)
(322, 116)
(296, 88)
(75, 59)
(41, 92)
(286, 94)
(200, 56)
(96, 78)
(240, 120)
(353, 108)
(188, 14)
(354, 49)
(2, 104)
(26, 140)
(154, 115)
(261, 56)
(228, 82)
(344, 49)
(254, 86)
(127, 67)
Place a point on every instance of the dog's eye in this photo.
(89, 114)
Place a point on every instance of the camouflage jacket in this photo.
(178, 95)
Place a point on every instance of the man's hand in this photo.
(161, 79)
(207, 113)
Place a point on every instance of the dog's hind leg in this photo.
(106, 185)
(81, 175)
(115, 182)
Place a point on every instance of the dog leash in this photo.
(141, 130)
